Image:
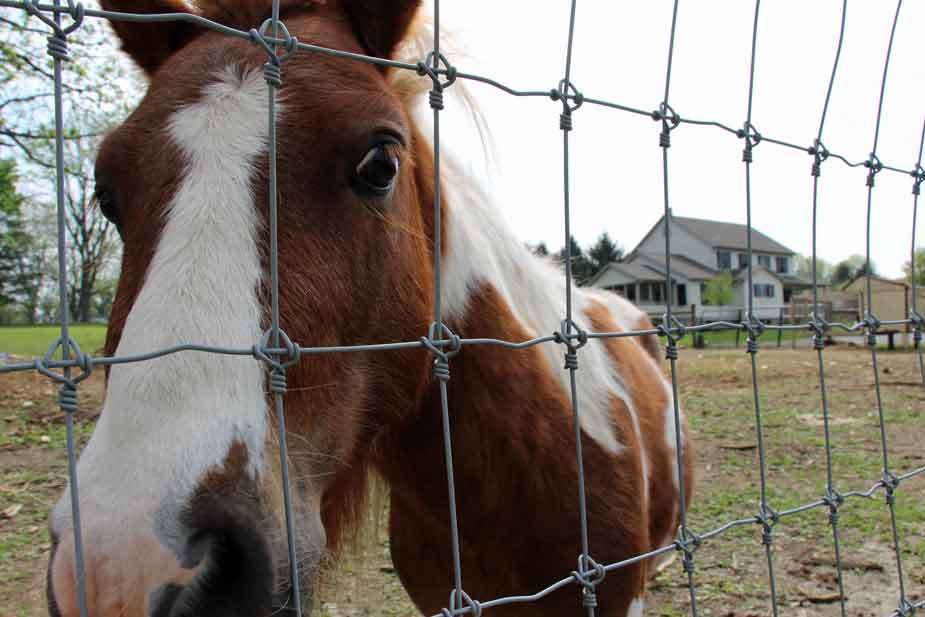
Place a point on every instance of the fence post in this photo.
(738, 330)
(780, 322)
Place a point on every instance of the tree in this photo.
(804, 269)
(919, 267)
(850, 268)
(96, 78)
(582, 268)
(718, 291)
(92, 248)
(21, 266)
(539, 250)
(604, 252)
(98, 87)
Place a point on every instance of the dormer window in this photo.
(782, 265)
(764, 261)
(723, 260)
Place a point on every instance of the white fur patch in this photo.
(167, 421)
(482, 249)
(636, 608)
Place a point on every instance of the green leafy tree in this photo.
(21, 267)
(919, 267)
(847, 269)
(582, 268)
(804, 269)
(718, 290)
(96, 79)
(604, 252)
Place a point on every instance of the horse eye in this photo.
(377, 170)
(108, 205)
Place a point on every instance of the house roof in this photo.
(730, 235)
(635, 270)
(644, 267)
(874, 277)
(681, 266)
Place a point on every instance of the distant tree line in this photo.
(586, 264)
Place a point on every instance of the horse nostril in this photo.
(235, 575)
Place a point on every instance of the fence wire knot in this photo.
(905, 608)
(819, 153)
(445, 347)
(819, 327)
(272, 70)
(752, 138)
(564, 92)
(79, 360)
(57, 42)
(273, 357)
(687, 543)
(874, 167)
(833, 499)
(670, 121)
(754, 327)
(571, 335)
(461, 602)
(767, 517)
(872, 324)
(918, 176)
(589, 575)
(431, 67)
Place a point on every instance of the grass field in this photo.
(731, 571)
(32, 341)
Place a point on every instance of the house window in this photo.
(764, 260)
(631, 292)
(782, 265)
(724, 260)
(681, 292)
(762, 290)
(652, 292)
(743, 260)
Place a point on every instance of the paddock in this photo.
(716, 393)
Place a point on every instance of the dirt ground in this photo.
(731, 570)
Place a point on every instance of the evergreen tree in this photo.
(582, 268)
(604, 252)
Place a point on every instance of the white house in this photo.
(700, 251)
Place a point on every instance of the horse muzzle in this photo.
(210, 557)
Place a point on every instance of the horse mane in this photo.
(244, 14)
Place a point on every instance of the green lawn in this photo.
(32, 341)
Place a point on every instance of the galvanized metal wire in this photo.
(279, 352)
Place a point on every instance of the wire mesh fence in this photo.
(67, 365)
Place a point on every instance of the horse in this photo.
(180, 480)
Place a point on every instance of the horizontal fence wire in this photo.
(279, 352)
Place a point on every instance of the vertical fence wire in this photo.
(436, 62)
(687, 541)
(819, 326)
(272, 73)
(767, 517)
(570, 329)
(890, 481)
(918, 176)
(57, 49)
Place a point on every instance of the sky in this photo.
(620, 54)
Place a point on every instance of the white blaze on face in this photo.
(167, 421)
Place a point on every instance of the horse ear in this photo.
(381, 24)
(150, 44)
